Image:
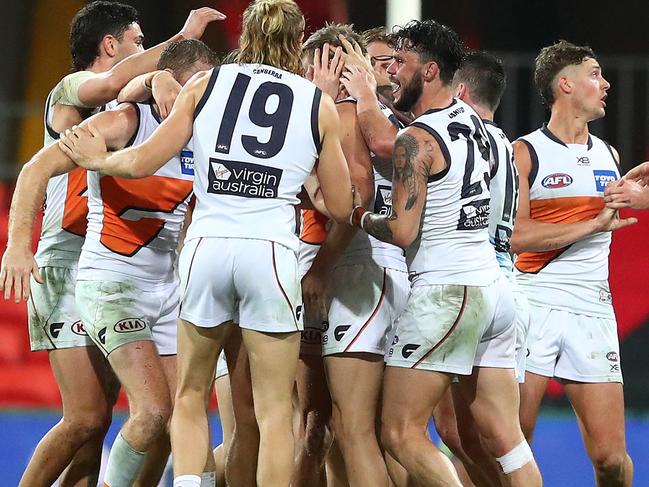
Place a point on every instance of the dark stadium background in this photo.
(33, 36)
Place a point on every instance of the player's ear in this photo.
(430, 71)
(564, 84)
(460, 91)
(109, 45)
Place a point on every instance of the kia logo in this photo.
(557, 180)
(78, 329)
(129, 325)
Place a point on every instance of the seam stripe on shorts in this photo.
(47, 322)
(448, 333)
(189, 273)
(288, 301)
(376, 310)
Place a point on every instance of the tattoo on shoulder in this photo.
(407, 169)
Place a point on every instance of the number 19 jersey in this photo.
(256, 140)
(453, 244)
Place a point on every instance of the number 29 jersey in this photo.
(134, 224)
(453, 244)
(256, 140)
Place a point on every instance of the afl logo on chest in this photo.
(556, 181)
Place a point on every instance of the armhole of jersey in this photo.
(347, 100)
(137, 130)
(534, 159)
(494, 151)
(155, 114)
(208, 91)
(442, 146)
(615, 161)
(315, 115)
(50, 130)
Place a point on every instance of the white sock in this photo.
(208, 479)
(123, 464)
(187, 481)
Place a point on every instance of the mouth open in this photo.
(396, 86)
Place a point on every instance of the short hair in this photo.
(377, 34)
(270, 35)
(92, 23)
(553, 59)
(329, 34)
(180, 56)
(485, 76)
(433, 42)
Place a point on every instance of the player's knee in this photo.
(87, 426)
(610, 464)
(394, 438)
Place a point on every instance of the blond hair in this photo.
(271, 33)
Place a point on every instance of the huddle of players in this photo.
(460, 316)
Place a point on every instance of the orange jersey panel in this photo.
(314, 227)
(557, 210)
(75, 212)
(152, 194)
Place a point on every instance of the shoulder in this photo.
(66, 91)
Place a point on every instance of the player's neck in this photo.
(432, 99)
(568, 127)
(483, 113)
(101, 65)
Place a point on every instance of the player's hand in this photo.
(326, 72)
(314, 286)
(165, 89)
(608, 220)
(626, 193)
(639, 173)
(353, 55)
(83, 146)
(197, 22)
(17, 266)
(359, 83)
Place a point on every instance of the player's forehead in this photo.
(591, 63)
(378, 48)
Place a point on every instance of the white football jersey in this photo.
(503, 188)
(256, 140)
(364, 246)
(134, 224)
(66, 206)
(567, 183)
(453, 243)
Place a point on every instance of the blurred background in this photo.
(34, 36)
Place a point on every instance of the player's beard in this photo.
(410, 93)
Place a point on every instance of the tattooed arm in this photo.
(416, 155)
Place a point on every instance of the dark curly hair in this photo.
(553, 59)
(485, 76)
(433, 42)
(92, 23)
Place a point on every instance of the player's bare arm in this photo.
(161, 85)
(379, 132)
(331, 168)
(632, 191)
(18, 262)
(534, 236)
(87, 147)
(416, 156)
(104, 87)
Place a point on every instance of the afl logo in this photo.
(557, 180)
(129, 325)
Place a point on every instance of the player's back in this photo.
(503, 189)
(134, 224)
(453, 244)
(256, 140)
(66, 207)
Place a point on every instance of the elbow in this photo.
(382, 148)
(404, 238)
(139, 171)
(517, 242)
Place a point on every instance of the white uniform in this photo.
(503, 205)
(256, 140)
(53, 318)
(126, 287)
(460, 311)
(573, 333)
(369, 284)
